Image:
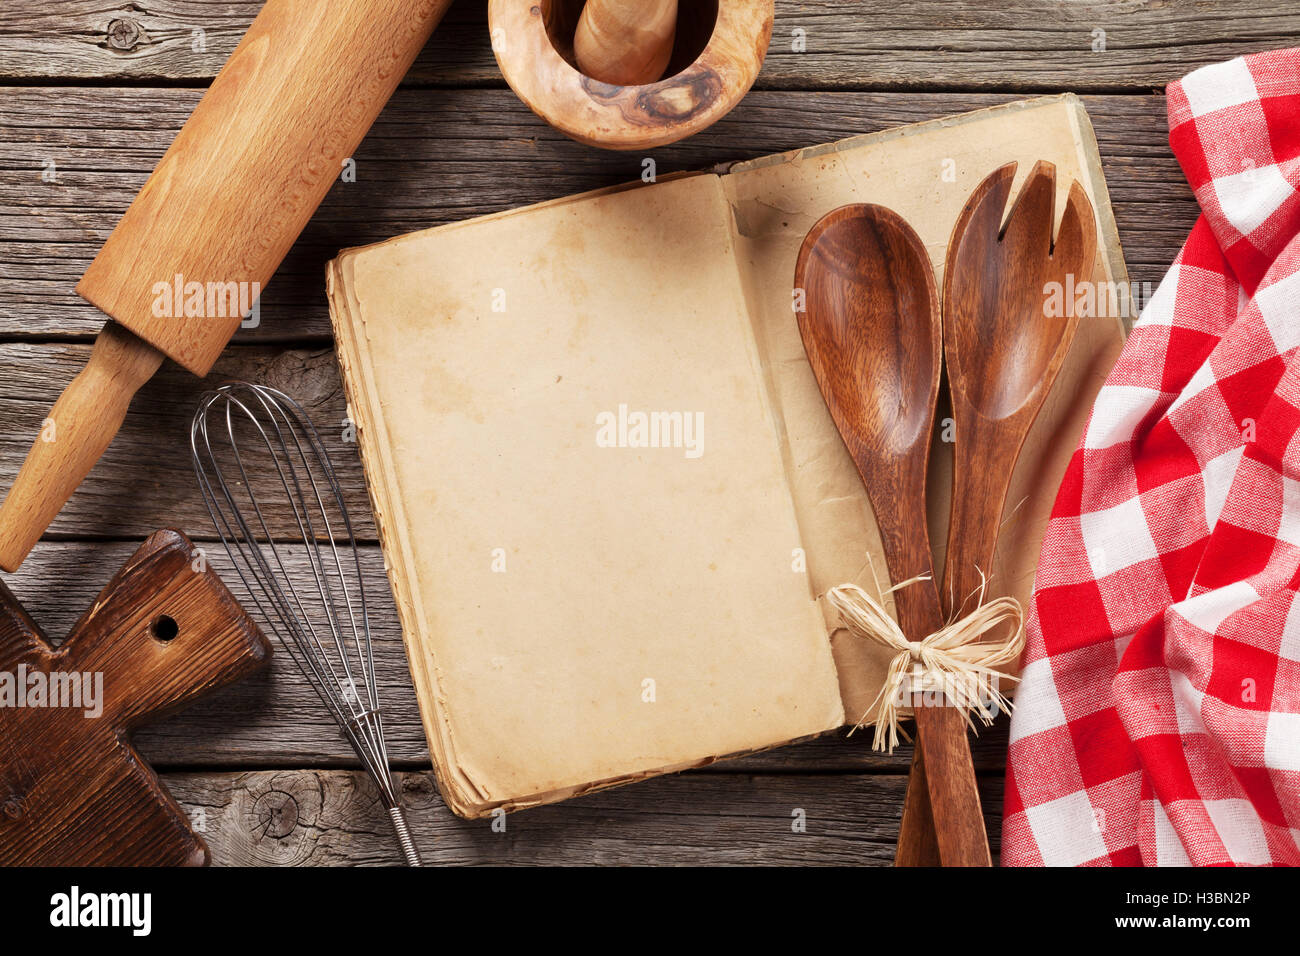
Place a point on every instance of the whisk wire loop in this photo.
(324, 625)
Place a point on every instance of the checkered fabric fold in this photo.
(1158, 721)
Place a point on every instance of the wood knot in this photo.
(276, 813)
(124, 35)
(418, 790)
(13, 808)
(678, 100)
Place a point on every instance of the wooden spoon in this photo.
(1003, 351)
(626, 42)
(872, 332)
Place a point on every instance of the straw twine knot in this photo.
(954, 660)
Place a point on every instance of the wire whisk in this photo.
(318, 611)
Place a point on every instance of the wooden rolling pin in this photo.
(215, 219)
(626, 42)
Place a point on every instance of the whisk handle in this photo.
(78, 430)
(404, 838)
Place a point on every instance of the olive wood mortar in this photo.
(718, 51)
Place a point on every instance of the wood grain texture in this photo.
(717, 62)
(918, 843)
(273, 718)
(216, 217)
(84, 420)
(1002, 352)
(439, 156)
(313, 818)
(146, 478)
(1043, 45)
(1003, 348)
(73, 789)
(874, 336)
(625, 42)
(249, 167)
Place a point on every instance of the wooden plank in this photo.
(313, 818)
(273, 718)
(146, 479)
(847, 44)
(437, 156)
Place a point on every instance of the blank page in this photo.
(573, 457)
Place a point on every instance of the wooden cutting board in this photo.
(73, 791)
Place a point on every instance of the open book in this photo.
(609, 491)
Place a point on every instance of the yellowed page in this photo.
(924, 172)
(578, 614)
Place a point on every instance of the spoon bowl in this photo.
(871, 328)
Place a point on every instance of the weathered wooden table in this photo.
(90, 97)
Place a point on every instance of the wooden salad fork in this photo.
(873, 335)
(1003, 350)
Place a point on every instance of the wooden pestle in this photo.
(626, 42)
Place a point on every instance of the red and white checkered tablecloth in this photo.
(1158, 721)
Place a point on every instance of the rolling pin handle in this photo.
(78, 430)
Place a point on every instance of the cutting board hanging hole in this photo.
(164, 628)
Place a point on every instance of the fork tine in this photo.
(1029, 224)
(987, 205)
(1076, 242)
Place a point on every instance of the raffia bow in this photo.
(953, 659)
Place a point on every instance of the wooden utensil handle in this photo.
(976, 514)
(917, 841)
(948, 827)
(77, 431)
(945, 824)
(972, 543)
(210, 227)
(950, 781)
